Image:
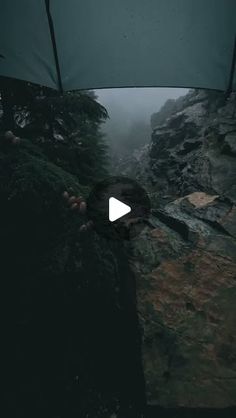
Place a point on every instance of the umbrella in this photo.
(85, 44)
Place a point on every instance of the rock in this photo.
(185, 260)
(197, 153)
(198, 199)
(186, 302)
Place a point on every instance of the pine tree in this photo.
(67, 127)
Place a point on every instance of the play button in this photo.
(118, 207)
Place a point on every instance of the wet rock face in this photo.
(195, 149)
(186, 274)
(185, 259)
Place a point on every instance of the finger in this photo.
(74, 206)
(65, 195)
(83, 228)
(83, 207)
(9, 135)
(79, 199)
(89, 225)
(15, 140)
(72, 199)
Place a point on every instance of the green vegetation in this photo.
(52, 277)
(67, 322)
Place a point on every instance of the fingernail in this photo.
(83, 207)
(83, 228)
(72, 199)
(74, 206)
(65, 195)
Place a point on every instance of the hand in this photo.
(78, 204)
(10, 137)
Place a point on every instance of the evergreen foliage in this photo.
(67, 127)
(65, 330)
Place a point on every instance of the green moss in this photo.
(35, 221)
(25, 168)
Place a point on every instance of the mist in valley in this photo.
(130, 110)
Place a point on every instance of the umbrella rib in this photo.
(54, 44)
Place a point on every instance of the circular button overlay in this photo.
(118, 207)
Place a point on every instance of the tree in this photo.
(67, 127)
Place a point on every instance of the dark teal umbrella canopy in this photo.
(84, 44)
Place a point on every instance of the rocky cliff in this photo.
(185, 259)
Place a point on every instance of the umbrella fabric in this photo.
(119, 43)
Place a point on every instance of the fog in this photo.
(130, 110)
(129, 104)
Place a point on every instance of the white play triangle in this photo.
(117, 209)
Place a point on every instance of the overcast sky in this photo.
(129, 104)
